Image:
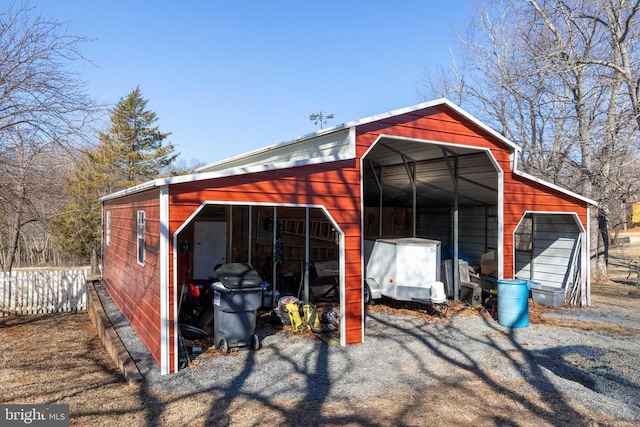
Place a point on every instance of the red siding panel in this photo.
(521, 196)
(134, 288)
(334, 185)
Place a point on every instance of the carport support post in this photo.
(273, 257)
(306, 255)
(379, 182)
(230, 248)
(250, 231)
(532, 267)
(455, 267)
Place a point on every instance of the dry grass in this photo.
(624, 260)
(58, 358)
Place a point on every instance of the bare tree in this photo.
(181, 167)
(36, 88)
(31, 191)
(43, 108)
(590, 43)
(557, 78)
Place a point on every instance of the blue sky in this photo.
(227, 77)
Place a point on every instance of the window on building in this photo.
(107, 237)
(141, 236)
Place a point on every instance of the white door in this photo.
(209, 249)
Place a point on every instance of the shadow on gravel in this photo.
(603, 381)
(218, 411)
(552, 407)
(552, 359)
(440, 357)
(531, 387)
(313, 368)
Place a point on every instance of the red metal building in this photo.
(431, 170)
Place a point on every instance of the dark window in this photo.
(141, 233)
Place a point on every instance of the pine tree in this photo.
(131, 151)
(77, 227)
(134, 143)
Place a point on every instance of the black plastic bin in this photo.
(236, 297)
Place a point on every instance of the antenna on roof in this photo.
(320, 118)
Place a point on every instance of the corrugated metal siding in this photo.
(554, 242)
(551, 260)
(472, 223)
(523, 265)
(475, 238)
(434, 223)
(134, 288)
(335, 144)
(334, 185)
(521, 197)
(428, 124)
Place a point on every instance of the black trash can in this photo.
(236, 297)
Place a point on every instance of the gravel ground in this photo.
(575, 358)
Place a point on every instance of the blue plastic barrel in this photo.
(513, 303)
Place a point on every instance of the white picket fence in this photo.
(43, 291)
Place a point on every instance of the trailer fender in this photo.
(374, 287)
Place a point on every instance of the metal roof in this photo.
(435, 167)
(331, 143)
(477, 185)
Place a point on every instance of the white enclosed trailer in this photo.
(404, 268)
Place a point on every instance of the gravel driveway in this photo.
(576, 367)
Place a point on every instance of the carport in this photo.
(431, 170)
(443, 191)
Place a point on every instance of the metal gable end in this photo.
(333, 144)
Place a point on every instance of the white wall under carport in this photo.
(551, 248)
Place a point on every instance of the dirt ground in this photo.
(58, 358)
